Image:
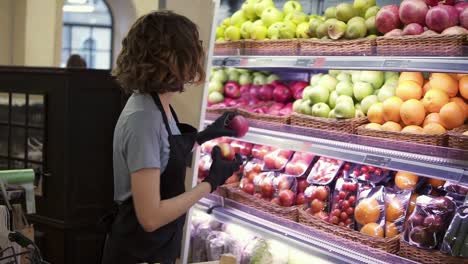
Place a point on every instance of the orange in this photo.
(460, 76)
(452, 115)
(375, 113)
(434, 99)
(461, 103)
(391, 230)
(391, 126)
(412, 112)
(373, 229)
(406, 180)
(463, 86)
(444, 82)
(391, 109)
(393, 209)
(432, 118)
(434, 129)
(426, 87)
(367, 211)
(436, 183)
(409, 90)
(413, 129)
(412, 76)
(375, 126)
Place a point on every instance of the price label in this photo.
(304, 62)
(263, 61)
(377, 160)
(233, 62)
(396, 63)
(218, 62)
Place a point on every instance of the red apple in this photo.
(301, 199)
(317, 205)
(239, 124)
(282, 94)
(287, 197)
(249, 188)
(302, 185)
(298, 85)
(267, 187)
(321, 193)
(232, 89)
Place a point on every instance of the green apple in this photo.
(215, 97)
(292, 6)
(258, 32)
(376, 92)
(226, 22)
(356, 76)
(287, 30)
(314, 23)
(371, 26)
(306, 107)
(361, 90)
(330, 22)
(296, 17)
(302, 30)
(375, 78)
(334, 73)
(234, 76)
(344, 88)
(220, 39)
(367, 102)
(332, 99)
(220, 76)
(392, 81)
(215, 86)
(249, 10)
(261, 5)
(345, 98)
(386, 92)
(238, 18)
(232, 33)
(220, 32)
(318, 94)
(328, 82)
(372, 11)
(259, 79)
(258, 22)
(246, 29)
(330, 12)
(362, 5)
(343, 76)
(314, 80)
(332, 114)
(357, 106)
(344, 110)
(273, 31)
(359, 113)
(272, 77)
(297, 106)
(271, 15)
(245, 78)
(356, 29)
(390, 75)
(321, 31)
(320, 110)
(344, 12)
(337, 30)
(356, 19)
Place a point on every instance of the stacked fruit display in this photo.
(423, 17)
(345, 94)
(422, 106)
(260, 19)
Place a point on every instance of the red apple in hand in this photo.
(227, 152)
(287, 197)
(239, 124)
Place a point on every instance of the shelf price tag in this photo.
(218, 62)
(377, 160)
(233, 62)
(304, 62)
(396, 63)
(263, 61)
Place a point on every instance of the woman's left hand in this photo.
(218, 129)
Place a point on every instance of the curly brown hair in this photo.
(160, 54)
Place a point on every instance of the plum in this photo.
(434, 223)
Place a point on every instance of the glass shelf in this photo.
(426, 64)
(431, 161)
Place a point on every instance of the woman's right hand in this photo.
(221, 169)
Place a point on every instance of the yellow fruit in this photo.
(367, 211)
(461, 103)
(413, 130)
(463, 86)
(452, 115)
(409, 90)
(406, 180)
(434, 99)
(375, 113)
(393, 209)
(444, 82)
(391, 230)
(375, 126)
(412, 76)
(373, 229)
(412, 112)
(434, 129)
(426, 87)
(391, 109)
(432, 118)
(391, 126)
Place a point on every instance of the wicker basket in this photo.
(440, 45)
(390, 245)
(436, 140)
(265, 117)
(427, 256)
(340, 125)
(220, 110)
(457, 140)
(280, 47)
(229, 48)
(234, 193)
(310, 47)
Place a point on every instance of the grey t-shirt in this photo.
(140, 141)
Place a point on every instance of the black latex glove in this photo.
(221, 169)
(217, 129)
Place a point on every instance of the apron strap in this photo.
(158, 103)
(174, 115)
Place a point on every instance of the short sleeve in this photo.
(142, 141)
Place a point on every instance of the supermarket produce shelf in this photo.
(318, 242)
(429, 64)
(431, 161)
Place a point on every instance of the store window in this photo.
(87, 31)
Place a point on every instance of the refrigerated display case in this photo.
(431, 161)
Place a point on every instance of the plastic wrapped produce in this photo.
(455, 241)
(276, 160)
(343, 202)
(366, 172)
(218, 243)
(259, 151)
(243, 148)
(370, 211)
(261, 251)
(396, 205)
(299, 164)
(430, 219)
(324, 171)
(285, 190)
(318, 200)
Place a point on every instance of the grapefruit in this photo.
(406, 180)
(452, 115)
(374, 126)
(463, 86)
(412, 76)
(412, 112)
(409, 90)
(444, 82)
(461, 103)
(434, 100)
(434, 129)
(391, 126)
(391, 109)
(391, 230)
(393, 209)
(432, 118)
(413, 129)
(373, 229)
(367, 211)
(375, 113)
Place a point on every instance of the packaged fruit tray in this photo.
(436, 140)
(427, 256)
(457, 139)
(265, 117)
(282, 47)
(310, 47)
(439, 45)
(340, 125)
(234, 193)
(229, 48)
(390, 245)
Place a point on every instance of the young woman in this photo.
(159, 55)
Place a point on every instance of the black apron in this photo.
(127, 242)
